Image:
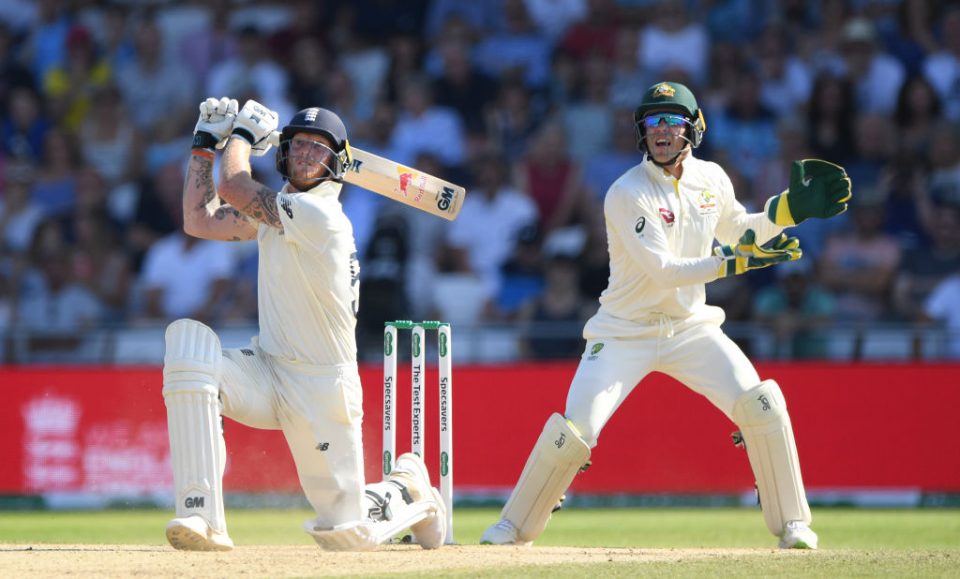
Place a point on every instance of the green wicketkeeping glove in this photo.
(817, 189)
(746, 254)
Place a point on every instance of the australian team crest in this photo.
(664, 90)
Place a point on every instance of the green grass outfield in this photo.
(854, 542)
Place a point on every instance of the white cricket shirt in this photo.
(309, 280)
(660, 235)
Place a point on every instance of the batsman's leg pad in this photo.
(404, 500)
(556, 459)
(761, 414)
(191, 373)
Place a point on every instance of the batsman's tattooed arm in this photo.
(205, 215)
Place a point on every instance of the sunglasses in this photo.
(670, 119)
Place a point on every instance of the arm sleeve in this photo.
(640, 231)
(734, 219)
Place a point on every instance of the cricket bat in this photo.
(405, 184)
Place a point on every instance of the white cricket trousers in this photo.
(699, 355)
(318, 408)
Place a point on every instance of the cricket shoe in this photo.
(194, 534)
(503, 532)
(798, 535)
(411, 473)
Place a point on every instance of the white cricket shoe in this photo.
(194, 534)
(411, 472)
(503, 532)
(798, 535)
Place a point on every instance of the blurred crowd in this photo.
(528, 103)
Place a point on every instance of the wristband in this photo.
(205, 153)
(204, 140)
(244, 134)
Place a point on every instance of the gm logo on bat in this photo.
(445, 198)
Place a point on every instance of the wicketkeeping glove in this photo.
(215, 122)
(817, 189)
(746, 254)
(255, 123)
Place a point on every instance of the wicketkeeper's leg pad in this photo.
(556, 459)
(192, 367)
(761, 414)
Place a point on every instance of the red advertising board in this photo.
(103, 431)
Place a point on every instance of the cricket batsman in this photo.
(673, 225)
(299, 375)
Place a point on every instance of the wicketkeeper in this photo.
(299, 375)
(663, 217)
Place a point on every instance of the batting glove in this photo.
(255, 124)
(261, 148)
(215, 122)
(746, 254)
(817, 189)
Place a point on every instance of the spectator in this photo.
(249, 71)
(306, 17)
(918, 117)
(942, 68)
(512, 120)
(55, 187)
(154, 90)
(590, 116)
(522, 276)
(12, 73)
(876, 140)
(831, 117)
(746, 128)
(112, 144)
(24, 126)
(859, 266)
(99, 262)
(785, 80)
(594, 260)
(798, 311)
(596, 31)
(672, 41)
(70, 88)
(309, 67)
(554, 18)
(549, 176)
(926, 266)
(480, 18)
(114, 37)
(45, 45)
(876, 76)
(186, 277)
(55, 310)
(490, 221)
(519, 52)
(606, 165)
(19, 215)
(545, 318)
(628, 78)
(158, 212)
(405, 55)
(201, 49)
(726, 61)
(463, 87)
(423, 127)
(383, 278)
(941, 307)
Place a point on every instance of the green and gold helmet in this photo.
(671, 97)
